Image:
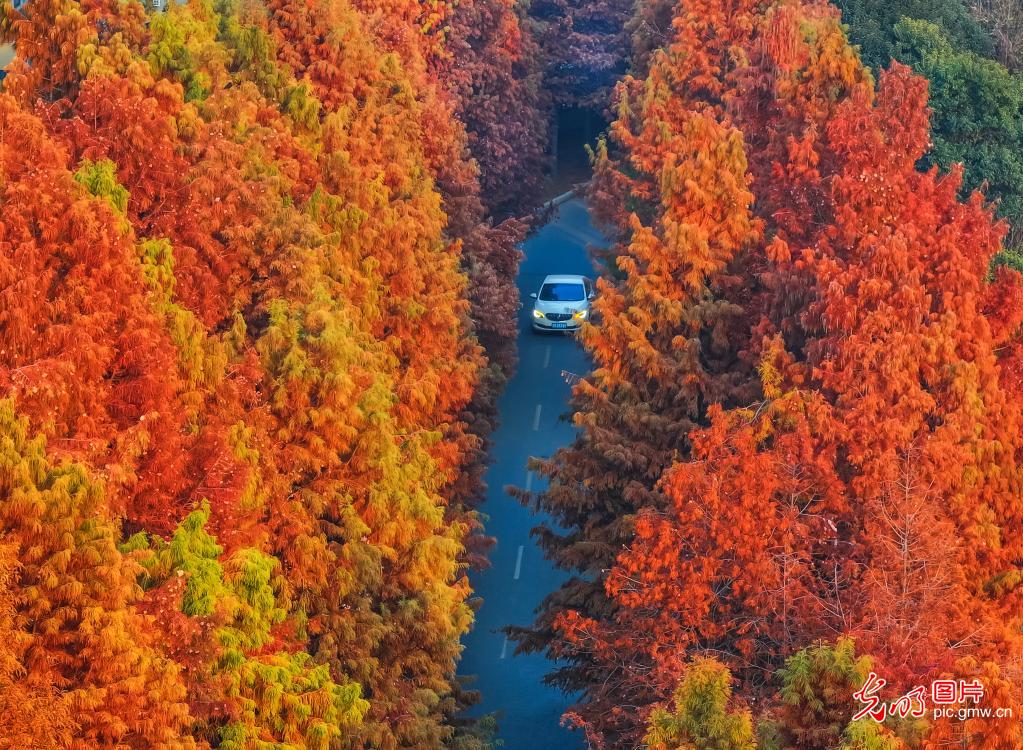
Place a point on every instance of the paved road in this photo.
(531, 409)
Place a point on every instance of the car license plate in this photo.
(560, 325)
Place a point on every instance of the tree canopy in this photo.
(255, 304)
(803, 419)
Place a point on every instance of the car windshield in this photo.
(562, 292)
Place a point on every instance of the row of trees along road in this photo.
(799, 449)
(254, 311)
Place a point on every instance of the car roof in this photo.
(563, 279)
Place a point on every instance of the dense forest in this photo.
(254, 313)
(799, 457)
(257, 303)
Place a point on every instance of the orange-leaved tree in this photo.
(30, 711)
(75, 603)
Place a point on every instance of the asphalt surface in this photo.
(532, 411)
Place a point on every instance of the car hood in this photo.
(560, 307)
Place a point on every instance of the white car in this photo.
(562, 304)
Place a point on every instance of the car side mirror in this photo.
(533, 295)
(591, 296)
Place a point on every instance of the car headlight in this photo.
(537, 314)
(581, 315)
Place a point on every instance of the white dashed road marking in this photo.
(518, 564)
